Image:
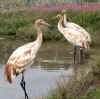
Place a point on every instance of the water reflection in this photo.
(39, 82)
(53, 61)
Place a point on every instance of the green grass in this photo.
(94, 94)
(95, 64)
(21, 23)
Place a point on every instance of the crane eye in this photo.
(41, 21)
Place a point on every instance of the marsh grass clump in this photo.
(84, 76)
(95, 64)
(94, 94)
(81, 79)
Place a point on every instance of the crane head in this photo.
(41, 21)
(58, 16)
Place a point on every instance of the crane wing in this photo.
(79, 29)
(23, 55)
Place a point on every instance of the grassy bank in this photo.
(21, 24)
(94, 94)
(84, 84)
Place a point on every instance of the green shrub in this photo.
(22, 22)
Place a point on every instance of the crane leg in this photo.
(75, 49)
(81, 55)
(22, 83)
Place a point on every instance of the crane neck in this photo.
(65, 19)
(39, 33)
(60, 27)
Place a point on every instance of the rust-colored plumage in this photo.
(8, 73)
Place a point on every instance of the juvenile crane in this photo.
(73, 36)
(76, 27)
(23, 57)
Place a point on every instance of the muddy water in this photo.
(53, 63)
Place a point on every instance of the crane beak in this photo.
(45, 23)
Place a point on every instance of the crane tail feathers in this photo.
(8, 73)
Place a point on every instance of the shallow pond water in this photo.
(53, 63)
